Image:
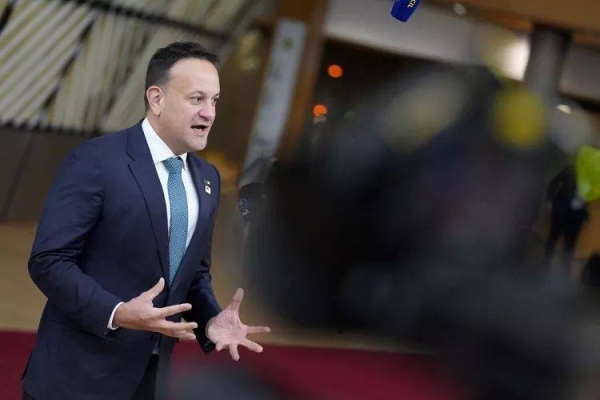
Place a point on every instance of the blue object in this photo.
(179, 215)
(404, 9)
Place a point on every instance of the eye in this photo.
(215, 101)
(196, 99)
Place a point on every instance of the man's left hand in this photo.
(227, 331)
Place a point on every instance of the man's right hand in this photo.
(139, 313)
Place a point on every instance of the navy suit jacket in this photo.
(103, 239)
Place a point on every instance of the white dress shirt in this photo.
(161, 152)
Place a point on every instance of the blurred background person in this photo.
(568, 212)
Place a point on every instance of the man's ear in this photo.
(155, 96)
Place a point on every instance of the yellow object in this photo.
(519, 118)
(588, 173)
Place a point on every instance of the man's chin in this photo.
(199, 144)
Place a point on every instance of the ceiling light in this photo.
(459, 9)
(565, 108)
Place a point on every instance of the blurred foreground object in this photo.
(588, 173)
(420, 230)
(568, 212)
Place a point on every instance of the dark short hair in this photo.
(164, 58)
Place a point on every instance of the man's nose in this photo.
(208, 112)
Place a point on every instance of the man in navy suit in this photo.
(122, 251)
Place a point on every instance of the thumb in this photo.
(156, 289)
(237, 300)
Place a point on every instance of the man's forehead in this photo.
(193, 65)
(199, 74)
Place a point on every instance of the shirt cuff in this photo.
(112, 315)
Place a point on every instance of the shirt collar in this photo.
(158, 148)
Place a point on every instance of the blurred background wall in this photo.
(54, 99)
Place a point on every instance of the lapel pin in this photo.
(207, 189)
(207, 182)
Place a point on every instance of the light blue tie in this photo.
(179, 215)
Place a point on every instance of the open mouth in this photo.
(200, 128)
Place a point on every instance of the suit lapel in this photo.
(204, 207)
(143, 169)
(203, 196)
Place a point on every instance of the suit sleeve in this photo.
(201, 295)
(72, 209)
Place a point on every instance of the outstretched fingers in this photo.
(233, 350)
(172, 310)
(237, 300)
(249, 344)
(179, 330)
(258, 329)
(156, 289)
(183, 335)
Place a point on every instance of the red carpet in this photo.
(301, 373)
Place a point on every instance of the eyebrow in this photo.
(203, 93)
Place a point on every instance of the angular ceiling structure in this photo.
(80, 66)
